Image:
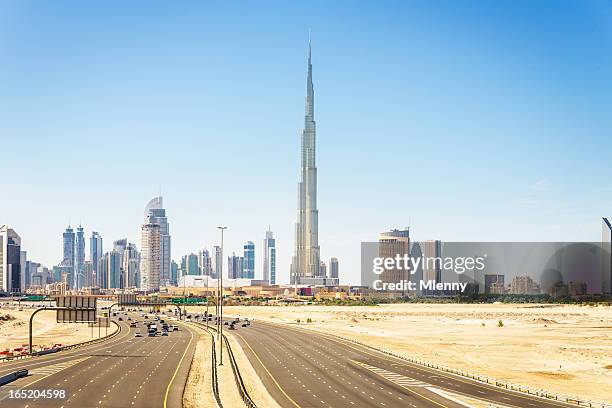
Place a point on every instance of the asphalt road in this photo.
(305, 369)
(125, 371)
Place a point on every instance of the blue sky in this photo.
(467, 120)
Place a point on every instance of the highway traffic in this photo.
(128, 370)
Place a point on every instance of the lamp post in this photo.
(220, 293)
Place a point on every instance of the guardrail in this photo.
(215, 381)
(476, 377)
(72, 346)
(5, 379)
(244, 394)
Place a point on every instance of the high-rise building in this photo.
(432, 260)
(131, 266)
(205, 262)
(156, 214)
(31, 269)
(322, 269)
(269, 261)
(390, 245)
(112, 270)
(306, 259)
(191, 265)
(334, 268)
(249, 260)
(150, 257)
(235, 267)
(23, 269)
(79, 257)
(218, 262)
(69, 248)
(10, 262)
(174, 273)
(95, 254)
(88, 274)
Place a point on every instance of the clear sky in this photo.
(467, 120)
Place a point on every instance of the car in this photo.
(121, 319)
(133, 324)
(245, 324)
(164, 333)
(137, 334)
(175, 328)
(152, 333)
(129, 318)
(225, 323)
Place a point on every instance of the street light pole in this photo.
(221, 301)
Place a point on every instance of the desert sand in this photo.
(46, 332)
(559, 348)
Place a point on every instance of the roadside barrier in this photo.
(72, 346)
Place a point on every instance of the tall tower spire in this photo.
(306, 260)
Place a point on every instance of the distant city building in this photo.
(112, 270)
(23, 269)
(191, 265)
(269, 260)
(493, 283)
(235, 267)
(334, 268)
(63, 274)
(174, 273)
(391, 244)
(69, 253)
(306, 259)
(10, 260)
(88, 274)
(95, 254)
(156, 214)
(559, 289)
(131, 266)
(249, 261)
(31, 269)
(217, 262)
(524, 285)
(432, 251)
(79, 257)
(150, 257)
(205, 262)
(322, 269)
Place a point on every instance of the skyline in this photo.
(438, 113)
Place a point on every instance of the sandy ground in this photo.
(198, 391)
(563, 349)
(14, 333)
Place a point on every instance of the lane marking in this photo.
(176, 371)
(265, 368)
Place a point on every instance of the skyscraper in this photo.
(174, 272)
(218, 262)
(130, 266)
(80, 257)
(69, 254)
(306, 259)
(95, 254)
(269, 261)
(205, 263)
(112, 269)
(150, 256)
(235, 267)
(249, 260)
(10, 260)
(23, 270)
(391, 244)
(191, 265)
(156, 214)
(333, 268)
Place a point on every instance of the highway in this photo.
(125, 371)
(305, 369)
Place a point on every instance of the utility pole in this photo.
(221, 301)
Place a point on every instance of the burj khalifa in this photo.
(306, 259)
